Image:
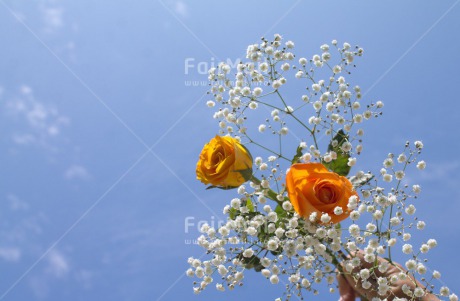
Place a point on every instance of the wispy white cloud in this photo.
(16, 203)
(441, 180)
(50, 24)
(77, 172)
(52, 18)
(445, 171)
(58, 265)
(39, 286)
(181, 8)
(85, 278)
(23, 139)
(22, 226)
(10, 254)
(40, 122)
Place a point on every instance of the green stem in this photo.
(267, 149)
(292, 113)
(268, 105)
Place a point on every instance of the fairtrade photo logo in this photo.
(191, 224)
(194, 67)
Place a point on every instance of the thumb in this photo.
(346, 291)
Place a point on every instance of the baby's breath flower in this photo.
(351, 161)
(406, 236)
(377, 215)
(290, 248)
(407, 249)
(421, 165)
(325, 218)
(402, 158)
(444, 291)
(338, 210)
(354, 230)
(391, 242)
(411, 264)
(394, 221)
(354, 215)
(274, 279)
(242, 189)
(432, 243)
(418, 144)
(421, 269)
(284, 131)
(387, 177)
(287, 205)
(420, 225)
(410, 210)
(399, 175)
(419, 292)
(424, 248)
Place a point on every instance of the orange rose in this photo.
(312, 188)
(224, 162)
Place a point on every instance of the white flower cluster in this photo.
(258, 83)
(279, 244)
(275, 241)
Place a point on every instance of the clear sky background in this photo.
(100, 133)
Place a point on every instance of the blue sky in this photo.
(100, 132)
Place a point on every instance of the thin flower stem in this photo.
(272, 195)
(280, 144)
(267, 149)
(292, 114)
(391, 207)
(266, 104)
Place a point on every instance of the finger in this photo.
(357, 287)
(373, 264)
(347, 293)
(355, 282)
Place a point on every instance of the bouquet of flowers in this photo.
(284, 218)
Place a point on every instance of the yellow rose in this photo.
(312, 188)
(224, 162)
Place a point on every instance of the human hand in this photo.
(351, 286)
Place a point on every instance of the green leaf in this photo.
(281, 212)
(252, 262)
(258, 267)
(338, 226)
(248, 152)
(388, 259)
(246, 173)
(297, 155)
(233, 213)
(221, 187)
(262, 235)
(250, 205)
(339, 165)
(277, 251)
